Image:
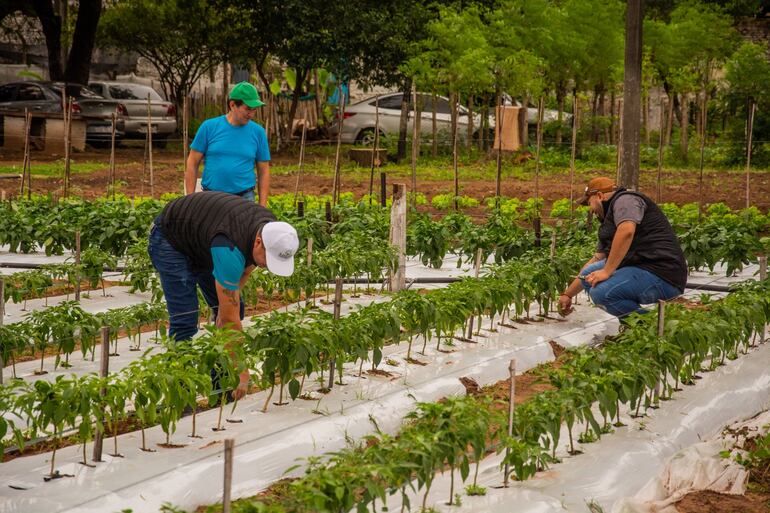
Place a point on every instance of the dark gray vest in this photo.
(654, 247)
(191, 222)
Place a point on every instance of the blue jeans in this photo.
(180, 282)
(627, 289)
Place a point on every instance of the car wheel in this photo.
(366, 137)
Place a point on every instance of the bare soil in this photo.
(679, 186)
(713, 502)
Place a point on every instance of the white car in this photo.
(134, 98)
(359, 123)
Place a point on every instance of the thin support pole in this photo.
(499, 127)
(104, 370)
(456, 122)
(662, 131)
(149, 146)
(228, 477)
(702, 152)
(67, 144)
(540, 107)
(383, 186)
(77, 265)
(661, 317)
(415, 146)
(337, 314)
(575, 112)
(26, 171)
(762, 269)
(2, 316)
(341, 110)
(185, 134)
(301, 160)
(750, 131)
(511, 401)
(476, 271)
(375, 150)
(112, 155)
(398, 236)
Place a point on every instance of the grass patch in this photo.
(54, 169)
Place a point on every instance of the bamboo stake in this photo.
(660, 151)
(575, 113)
(341, 110)
(499, 125)
(702, 150)
(26, 171)
(748, 152)
(414, 144)
(301, 159)
(77, 264)
(537, 152)
(185, 134)
(511, 400)
(104, 369)
(375, 151)
(455, 101)
(112, 155)
(228, 477)
(149, 146)
(2, 317)
(68, 147)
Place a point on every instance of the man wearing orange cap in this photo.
(638, 259)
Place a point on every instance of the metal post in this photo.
(512, 392)
(77, 263)
(228, 484)
(104, 370)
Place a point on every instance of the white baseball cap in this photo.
(281, 242)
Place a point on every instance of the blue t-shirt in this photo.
(229, 262)
(230, 152)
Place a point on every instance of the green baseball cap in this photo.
(247, 93)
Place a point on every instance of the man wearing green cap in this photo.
(230, 145)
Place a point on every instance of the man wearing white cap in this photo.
(214, 240)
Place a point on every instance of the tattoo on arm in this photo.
(233, 296)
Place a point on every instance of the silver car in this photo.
(134, 97)
(359, 123)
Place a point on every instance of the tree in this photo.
(68, 60)
(181, 39)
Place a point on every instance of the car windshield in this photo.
(132, 92)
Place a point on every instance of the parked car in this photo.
(46, 97)
(359, 124)
(134, 98)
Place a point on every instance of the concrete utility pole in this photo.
(632, 81)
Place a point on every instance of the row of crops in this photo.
(285, 347)
(587, 393)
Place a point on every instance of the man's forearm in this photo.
(190, 176)
(620, 245)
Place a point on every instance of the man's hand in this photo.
(243, 385)
(565, 305)
(597, 277)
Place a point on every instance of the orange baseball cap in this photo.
(598, 184)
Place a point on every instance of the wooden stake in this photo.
(511, 400)
(434, 126)
(26, 171)
(553, 245)
(112, 155)
(77, 263)
(301, 159)
(476, 271)
(383, 185)
(68, 148)
(660, 152)
(2, 317)
(185, 134)
(455, 101)
(538, 232)
(762, 268)
(149, 146)
(337, 313)
(750, 131)
(375, 151)
(702, 150)
(104, 370)
(575, 112)
(309, 251)
(539, 143)
(398, 235)
(228, 478)
(661, 317)
(499, 126)
(341, 110)
(415, 144)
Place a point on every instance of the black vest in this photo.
(654, 247)
(191, 222)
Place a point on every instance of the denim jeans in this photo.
(180, 282)
(627, 289)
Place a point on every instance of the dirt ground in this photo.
(679, 186)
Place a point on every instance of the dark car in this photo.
(162, 116)
(46, 97)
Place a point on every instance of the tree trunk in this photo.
(404, 121)
(301, 73)
(52, 31)
(612, 117)
(79, 61)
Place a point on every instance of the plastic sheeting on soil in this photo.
(267, 444)
(621, 463)
(698, 467)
